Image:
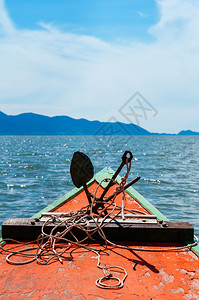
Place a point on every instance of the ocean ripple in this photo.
(35, 171)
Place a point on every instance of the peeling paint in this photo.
(193, 255)
(118, 295)
(95, 297)
(191, 295)
(61, 269)
(195, 284)
(159, 286)
(26, 295)
(167, 278)
(178, 290)
(158, 275)
(147, 274)
(190, 273)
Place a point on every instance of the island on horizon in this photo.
(36, 124)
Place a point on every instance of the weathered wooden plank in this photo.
(29, 229)
(107, 173)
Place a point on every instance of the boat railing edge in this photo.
(66, 197)
(107, 172)
(98, 177)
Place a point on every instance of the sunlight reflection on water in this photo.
(35, 171)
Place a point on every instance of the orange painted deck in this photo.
(151, 275)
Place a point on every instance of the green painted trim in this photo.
(194, 249)
(2, 243)
(74, 192)
(103, 174)
(108, 173)
(146, 204)
(58, 202)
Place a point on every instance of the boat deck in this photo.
(151, 275)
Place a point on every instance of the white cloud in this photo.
(53, 72)
(179, 21)
(6, 25)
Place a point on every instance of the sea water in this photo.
(35, 171)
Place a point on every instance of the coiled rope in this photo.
(47, 246)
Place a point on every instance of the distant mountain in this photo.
(35, 124)
(188, 132)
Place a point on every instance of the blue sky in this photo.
(105, 19)
(87, 58)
